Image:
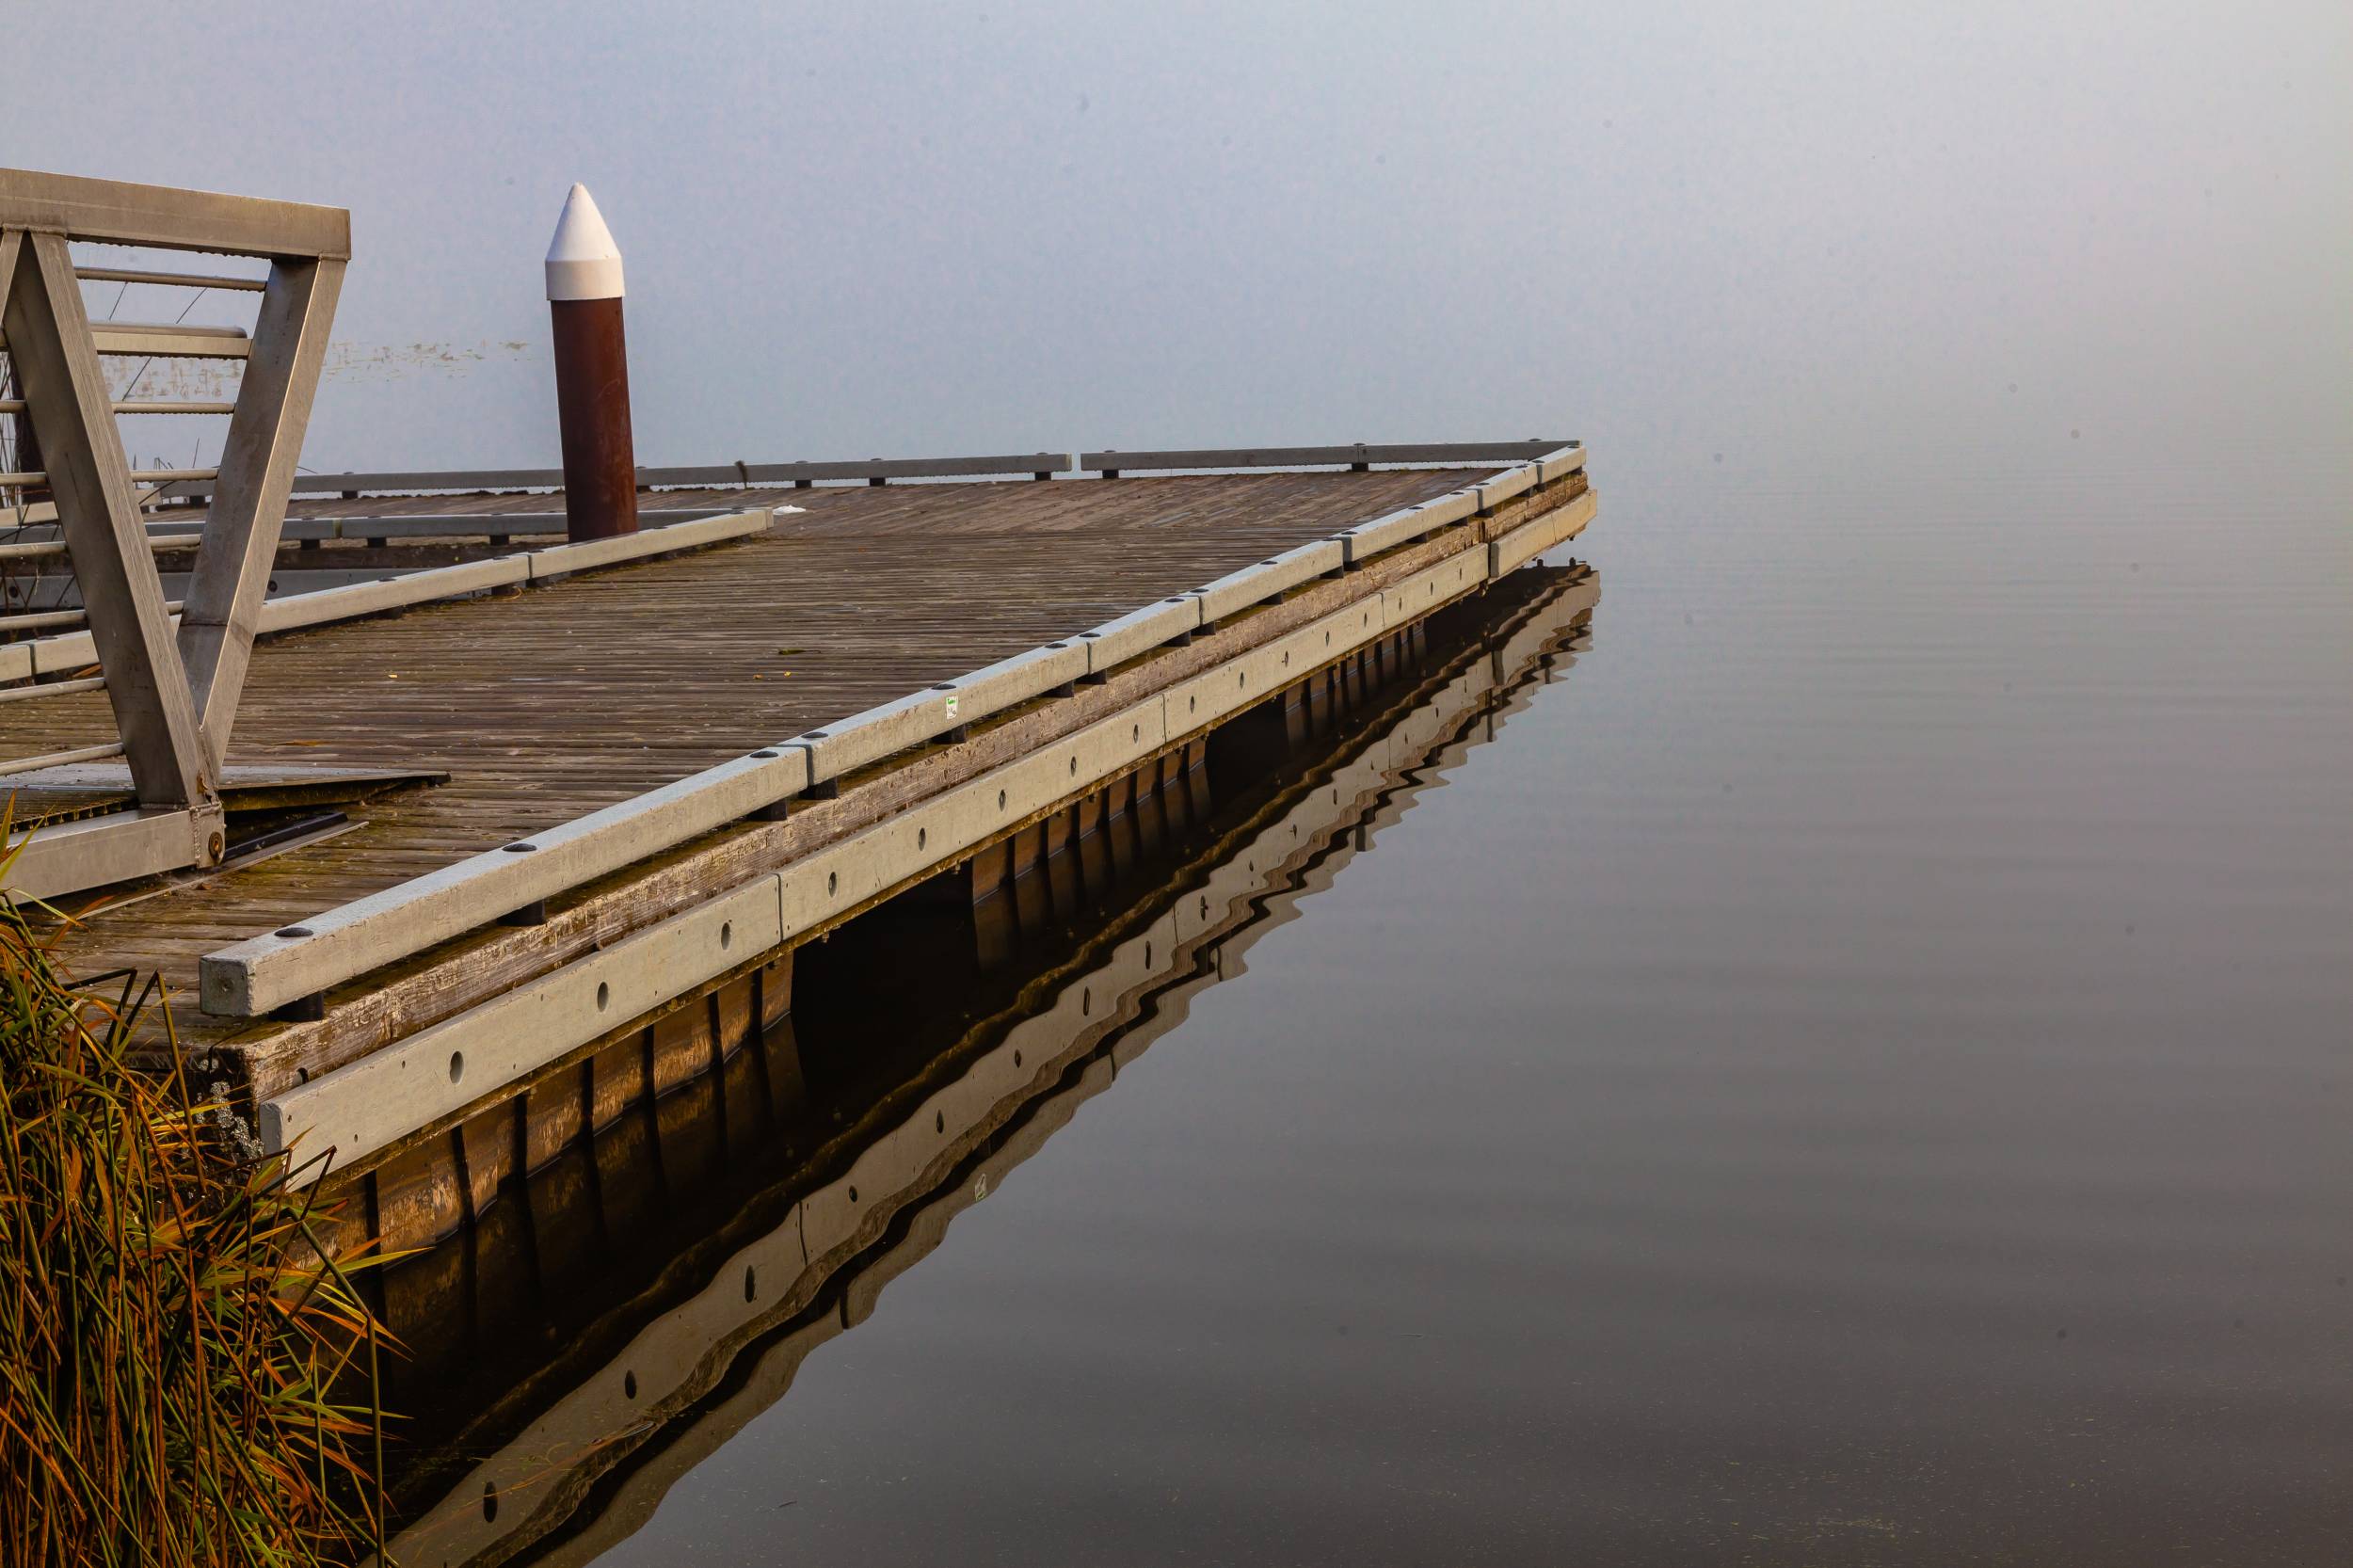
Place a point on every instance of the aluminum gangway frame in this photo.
(174, 692)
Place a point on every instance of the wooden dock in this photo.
(714, 755)
(459, 811)
(650, 902)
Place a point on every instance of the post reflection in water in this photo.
(603, 1324)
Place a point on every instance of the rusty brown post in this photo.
(584, 294)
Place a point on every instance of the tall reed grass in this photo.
(177, 1355)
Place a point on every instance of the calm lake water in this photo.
(1855, 1071)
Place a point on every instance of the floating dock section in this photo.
(673, 758)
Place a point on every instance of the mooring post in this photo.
(591, 373)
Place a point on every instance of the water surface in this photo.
(1855, 1073)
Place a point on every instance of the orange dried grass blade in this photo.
(164, 1361)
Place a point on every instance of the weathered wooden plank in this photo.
(473, 525)
(563, 559)
(64, 856)
(1437, 584)
(1525, 544)
(1493, 491)
(296, 612)
(377, 1099)
(1557, 465)
(1267, 579)
(1138, 631)
(846, 744)
(1367, 540)
(304, 959)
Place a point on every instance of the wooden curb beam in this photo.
(296, 611)
(165, 534)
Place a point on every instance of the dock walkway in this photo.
(543, 706)
(482, 832)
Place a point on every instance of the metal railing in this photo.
(174, 688)
(1037, 465)
(881, 470)
(1360, 457)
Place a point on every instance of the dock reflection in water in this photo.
(602, 1327)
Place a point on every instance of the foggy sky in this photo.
(921, 229)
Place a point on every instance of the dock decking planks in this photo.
(552, 703)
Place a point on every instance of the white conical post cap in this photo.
(582, 261)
